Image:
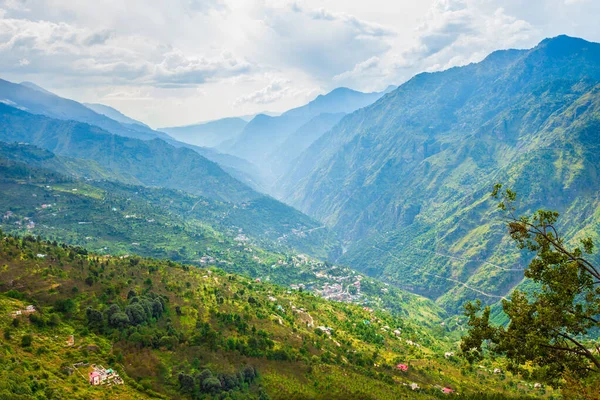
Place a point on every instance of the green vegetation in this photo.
(177, 331)
(31, 177)
(552, 335)
(405, 181)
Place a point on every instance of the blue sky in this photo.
(181, 61)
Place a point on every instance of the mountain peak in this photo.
(33, 86)
(563, 45)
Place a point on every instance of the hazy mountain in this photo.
(264, 135)
(286, 153)
(208, 134)
(33, 99)
(113, 113)
(147, 162)
(340, 100)
(33, 86)
(406, 178)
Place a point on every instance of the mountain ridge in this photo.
(431, 150)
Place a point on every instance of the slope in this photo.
(35, 100)
(171, 331)
(406, 179)
(263, 221)
(31, 98)
(264, 138)
(152, 162)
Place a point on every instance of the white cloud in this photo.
(100, 56)
(270, 93)
(181, 61)
(452, 33)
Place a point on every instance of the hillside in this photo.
(294, 145)
(113, 113)
(33, 99)
(147, 162)
(172, 331)
(80, 190)
(404, 181)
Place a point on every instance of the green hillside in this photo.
(150, 162)
(174, 331)
(30, 180)
(405, 182)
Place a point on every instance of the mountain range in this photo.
(273, 142)
(404, 181)
(401, 176)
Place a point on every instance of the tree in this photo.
(548, 327)
(64, 306)
(186, 383)
(119, 320)
(94, 317)
(211, 385)
(136, 313)
(26, 340)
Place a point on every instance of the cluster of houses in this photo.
(325, 329)
(207, 260)
(27, 222)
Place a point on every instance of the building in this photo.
(402, 367)
(94, 378)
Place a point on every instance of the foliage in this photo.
(549, 328)
(218, 334)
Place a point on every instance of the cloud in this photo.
(205, 6)
(269, 94)
(102, 56)
(452, 33)
(362, 28)
(99, 37)
(318, 42)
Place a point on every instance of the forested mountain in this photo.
(208, 134)
(115, 216)
(264, 140)
(284, 155)
(147, 162)
(113, 113)
(405, 180)
(35, 100)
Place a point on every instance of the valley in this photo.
(431, 236)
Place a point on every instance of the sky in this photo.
(178, 62)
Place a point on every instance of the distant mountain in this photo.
(340, 100)
(263, 137)
(36, 100)
(284, 156)
(113, 113)
(33, 86)
(405, 180)
(33, 99)
(147, 162)
(208, 134)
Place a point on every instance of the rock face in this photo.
(406, 180)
